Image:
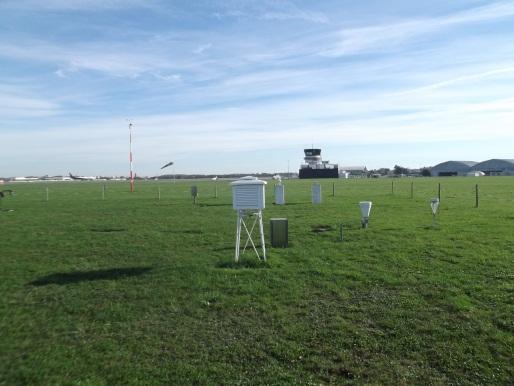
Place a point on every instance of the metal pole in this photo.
(439, 192)
(261, 229)
(130, 159)
(392, 187)
(333, 189)
(412, 190)
(476, 196)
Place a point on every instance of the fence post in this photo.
(333, 189)
(476, 196)
(439, 192)
(412, 190)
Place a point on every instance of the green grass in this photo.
(134, 291)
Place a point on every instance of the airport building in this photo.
(315, 167)
(353, 171)
(495, 167)
(452, 168)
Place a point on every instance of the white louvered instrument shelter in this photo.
(248, 193)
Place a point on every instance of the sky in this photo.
(221, 86)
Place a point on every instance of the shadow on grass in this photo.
(243, 263)
(207, 205)
(318, 228)
(108, 230)
(220, 249)
(63, 278)
(185, 231)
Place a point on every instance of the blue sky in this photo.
(243, 86)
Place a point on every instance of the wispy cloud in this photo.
(389, 36)
(72, 5)
(271, 10)
(17, 103)
(459, 79)
(202, 48)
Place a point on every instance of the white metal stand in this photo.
(241, 216)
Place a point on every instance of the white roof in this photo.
(248, 180)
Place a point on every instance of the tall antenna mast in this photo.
(130, 158)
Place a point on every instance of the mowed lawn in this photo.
(131, 290)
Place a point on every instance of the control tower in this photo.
(315, 167)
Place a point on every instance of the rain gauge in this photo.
(365, 207)
(434, 205)
(248, 199)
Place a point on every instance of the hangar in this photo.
(495, 167)
(452, 168)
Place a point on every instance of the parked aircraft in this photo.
(26, 178)
(82, 178)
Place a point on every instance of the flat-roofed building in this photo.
(353, 171)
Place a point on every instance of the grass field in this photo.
(131, 290)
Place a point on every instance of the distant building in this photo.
(452, 168)
(353, 171)
(495, 167)
(315, 167)
(475, 174)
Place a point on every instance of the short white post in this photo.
(316, 193)
(280, 194)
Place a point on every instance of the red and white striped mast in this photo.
(130, 158)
